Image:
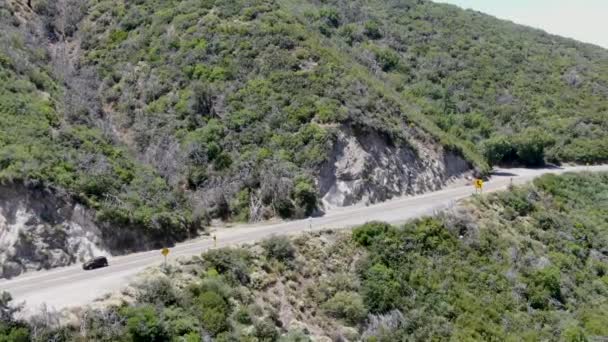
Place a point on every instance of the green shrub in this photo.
(305, 195)
(14, 334)
(330, 111)
(157, 291)
(192, 337)
(242, 316)
(527, 148)
(118, 36)
(366, 234)
(584, 151)
(331, 16)
(499, 149)
(214, 312)
(222, 162)
(347, 306)
(279, 248)
(372, 29)
(143, 324)
(350, 33)
(284, 208)
(595, 320)
(265, 330)
(543, 286)
(574, 334)
(380, 289)
(180, 322)
(233, 263)
(530, 146)
(517, 201)
(387, 58)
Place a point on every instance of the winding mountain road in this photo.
(71, 286)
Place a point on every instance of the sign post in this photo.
(478, 183)
(165, 252)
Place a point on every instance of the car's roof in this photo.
(99, 258)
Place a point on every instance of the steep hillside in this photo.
(529, 263)
(52, 164)
(484, 80)
(225, 97)
(159, 115)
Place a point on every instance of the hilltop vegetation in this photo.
(163, 114)
(529, 263)
(518, 90)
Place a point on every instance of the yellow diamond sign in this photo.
(164, 251)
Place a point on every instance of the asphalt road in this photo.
(71, 286)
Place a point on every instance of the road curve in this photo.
(71, 286)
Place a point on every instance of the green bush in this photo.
(143, 324)
(192, 337)
(266, 331)
(242, 316)
(180, 322)
(347, 306)
(584, 151)
(499, 149)
(372, 29)
(516, 202)
(531, 146)
(381, 290)
(595, 320)
(214, 312)
(366, 234)
(387, 58)
(14, 334)
(305, 195)
(118, 36)
(279, 248)
(527, 148)
(331, 16)
(330, 111)
(157, 291)
(543, 286)
(574, 334)
(233, 263)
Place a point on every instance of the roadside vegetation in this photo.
(162, 115)
(528, 264)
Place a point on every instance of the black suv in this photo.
(95, 263)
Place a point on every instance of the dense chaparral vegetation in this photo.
(161, 114)
(529, 263)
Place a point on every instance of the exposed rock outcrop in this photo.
(40, 229)
(367, 168)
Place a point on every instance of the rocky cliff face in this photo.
(367, 168)
(41, 229)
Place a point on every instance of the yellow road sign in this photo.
(164, 251)
(478, 184)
